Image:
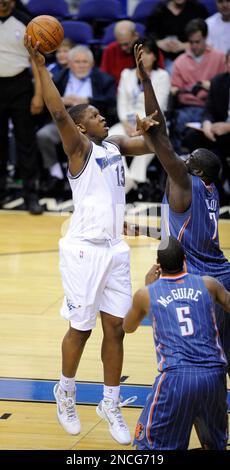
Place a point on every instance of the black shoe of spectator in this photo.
(149, 192)
(5, 197)
(32, 204)
(131, 196)
(53, 186)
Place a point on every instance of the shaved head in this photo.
(124, 27)
(126, 35)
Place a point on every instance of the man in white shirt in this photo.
(219, 26)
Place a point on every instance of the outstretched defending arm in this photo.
(137, 312)
(141, 302)
(172, 163)
(137, 145)
(218, 292)
(75, 144)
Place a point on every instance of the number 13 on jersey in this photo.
(120, 175)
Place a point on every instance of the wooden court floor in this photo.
(31, 334)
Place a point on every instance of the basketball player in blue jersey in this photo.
(94, 261)
(191, 388)
(190, 209)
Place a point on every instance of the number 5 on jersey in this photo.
(186, 324)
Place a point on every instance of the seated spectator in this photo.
(167, 25)
(191, 76)
(130, 102)
(219, 26)
(80, 83)
(215, 125)
(61, 55)
(118, 55)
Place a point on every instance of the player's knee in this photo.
(114, 330)
(79, 336)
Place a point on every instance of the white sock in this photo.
(112, 392)
(67, 383)
(55, 170)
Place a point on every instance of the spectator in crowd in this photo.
(167, 24)
(19, 101)
(130, 102)
(215, 124)
(219, 26)
(118, 55)
(191, 76)
(61, 57)
(80, 83)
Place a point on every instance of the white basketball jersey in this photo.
(98, 196)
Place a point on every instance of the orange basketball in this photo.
(47, 30)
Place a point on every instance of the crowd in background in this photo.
(187, 56)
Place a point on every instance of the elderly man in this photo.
(118, 55)
(80, 83)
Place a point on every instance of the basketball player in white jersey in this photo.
(94, 261)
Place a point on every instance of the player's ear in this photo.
(198, 172)
(81, 128)
(185, 265)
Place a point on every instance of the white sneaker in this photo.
(66, 410)
(110, 411)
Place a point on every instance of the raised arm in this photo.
(75, 144)
(218, 292)
(141, 302)
(172, 163)
(138, 311)
(37, 102)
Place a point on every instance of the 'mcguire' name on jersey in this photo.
(181, 293)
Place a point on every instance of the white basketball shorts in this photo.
(95, 277)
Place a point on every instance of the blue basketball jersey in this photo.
(184, 325)
(197, 230)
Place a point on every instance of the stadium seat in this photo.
(59, 8)
(108, 35)
(99, 10)
(79, 31)
(210, 5)
(143, 9)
